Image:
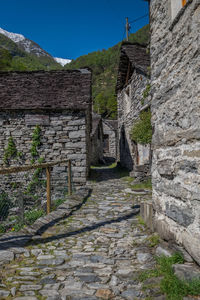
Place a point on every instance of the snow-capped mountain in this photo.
(62, 61)
(15, 37)
(30, 46)
(24, 43)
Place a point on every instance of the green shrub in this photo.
(141, 132)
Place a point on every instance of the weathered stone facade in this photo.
(96, 140)
(176, 117)
(110, 138)
(132, 82)
(64, 131)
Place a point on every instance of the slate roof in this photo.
(138, 58)
(69, 89)
(111, 123)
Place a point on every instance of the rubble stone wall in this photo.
(97, 145)
(130, 103)
(112, 139)
(176, 118)
(63, 136)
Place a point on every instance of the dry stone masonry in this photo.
(110, 137)
(132, 82)
(59, 104)
(96, 140)
(176, 119)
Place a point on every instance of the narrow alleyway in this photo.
(96, 253)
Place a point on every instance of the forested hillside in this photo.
(12, 58)
(104, 64)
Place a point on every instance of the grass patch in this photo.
(128, 179)
(153, 240)
(143, 185)
(170, 285)
(29, 218)
(141, 221)
(32, 215)
(56, 203)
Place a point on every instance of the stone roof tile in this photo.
(70, 89)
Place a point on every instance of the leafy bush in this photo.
(141, 132)
(5, 204)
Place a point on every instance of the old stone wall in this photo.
(111, 135)
(130, 103)
(63, 136)
(97, 144)
(176, 118)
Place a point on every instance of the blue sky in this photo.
(70, 28)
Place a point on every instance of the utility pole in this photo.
(127, 29)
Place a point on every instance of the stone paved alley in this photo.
(96, 253)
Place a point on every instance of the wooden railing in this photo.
(46, 166)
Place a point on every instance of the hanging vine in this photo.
(36, 142)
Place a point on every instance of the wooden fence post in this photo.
(69, 178)
(48, 172)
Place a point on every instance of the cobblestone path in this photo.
(94, 254)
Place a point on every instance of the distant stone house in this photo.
(59, 104)
(175, 80)
(110, 138)
(96, 140)
(132, 99)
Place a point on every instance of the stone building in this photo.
(176, 117)
(96, 140)
(54, 105)
(132, 98)
(110, 138)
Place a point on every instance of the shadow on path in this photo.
(72, 210)
(20, 240)
(107, 172)
(87, 228)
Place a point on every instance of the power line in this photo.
(128, 27)
(138, 19)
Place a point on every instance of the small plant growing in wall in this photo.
(10, 151)
(35, 143)
(146, 92)
(141, 132)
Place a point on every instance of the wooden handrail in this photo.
(48, 173)
(18, 169)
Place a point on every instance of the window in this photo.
(176, 6)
